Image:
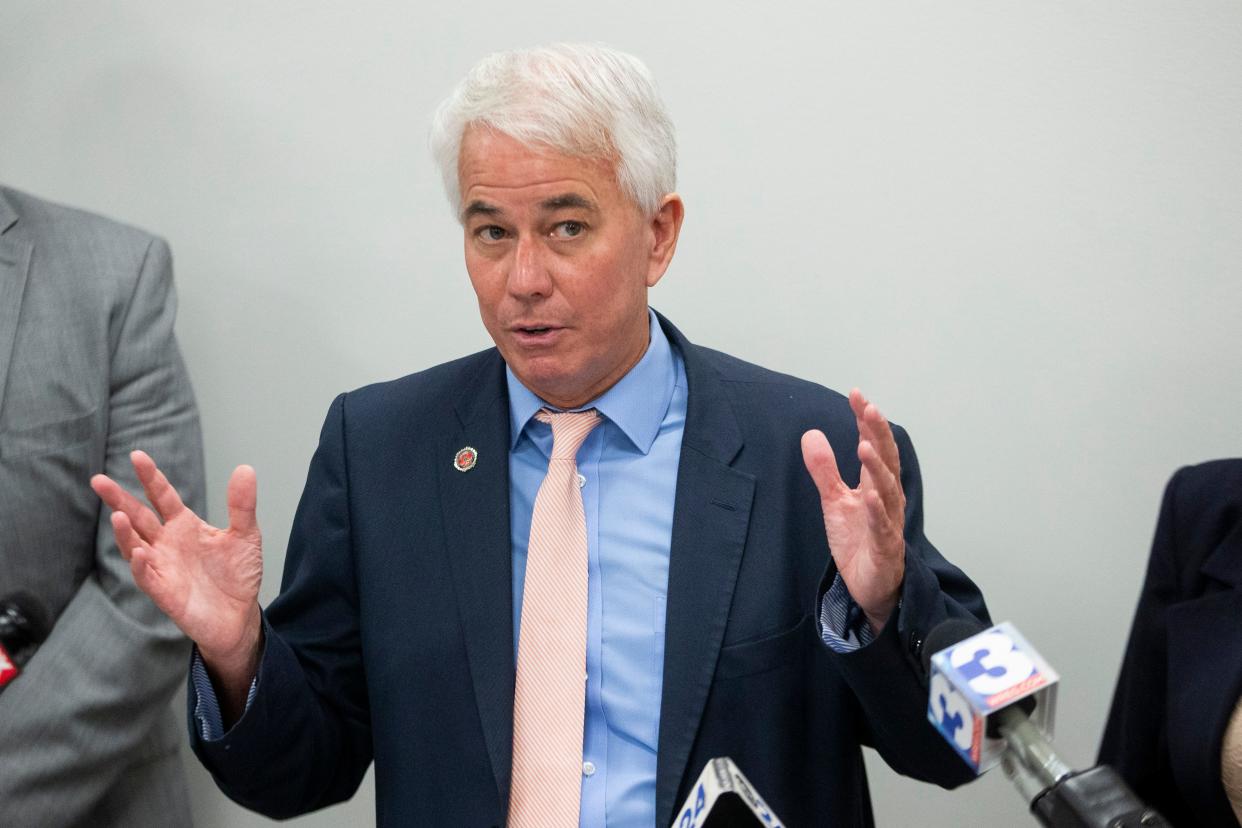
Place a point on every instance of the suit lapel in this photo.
(1204, 674)
(1225, 562)
(710, 520)
(476, 522)
(14, 266)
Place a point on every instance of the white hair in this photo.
(582, 100)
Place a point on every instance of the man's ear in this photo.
(665, 228)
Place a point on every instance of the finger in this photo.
(110, 492)
(127, 539)
(858, 403)
(874, 426)
(147, 576)
(880, 433)
(882, 527)
(820, 461)
(881, 480)
(159, 491)
(242, 497)
(162, 583)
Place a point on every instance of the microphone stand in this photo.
(1061, 797)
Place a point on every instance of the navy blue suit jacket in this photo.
(1182, 673)
(392, 637)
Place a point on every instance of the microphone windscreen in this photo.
(29, 613)
(946, 634)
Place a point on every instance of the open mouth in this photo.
(534, 328)
(536, 335)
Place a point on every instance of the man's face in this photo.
(561, 262)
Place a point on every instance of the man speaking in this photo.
(544, 584)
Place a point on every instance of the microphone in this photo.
(724, 798)
(993, 697)
(975, 674)
(23, 627)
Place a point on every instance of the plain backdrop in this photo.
(1014, 224)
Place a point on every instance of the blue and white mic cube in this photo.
(975, 678)
(724, 798)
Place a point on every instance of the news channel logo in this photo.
(978, 676)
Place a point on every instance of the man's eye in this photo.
(568, 229)
(491, 233)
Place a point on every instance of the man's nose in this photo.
(528, 275)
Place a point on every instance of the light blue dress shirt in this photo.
(628, 475)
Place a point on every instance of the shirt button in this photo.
(581, 480)
(588, 768)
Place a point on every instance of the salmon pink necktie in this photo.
(550, 695)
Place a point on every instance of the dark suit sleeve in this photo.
(89, 704)
(887, 674)
(305, 741)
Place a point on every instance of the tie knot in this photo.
(569, 429)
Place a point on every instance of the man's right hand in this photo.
(205, 579)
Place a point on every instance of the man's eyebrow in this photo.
(479, 208)
(567, 200)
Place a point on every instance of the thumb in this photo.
(822, 464)
(242, 495)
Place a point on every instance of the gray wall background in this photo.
(1015, 225)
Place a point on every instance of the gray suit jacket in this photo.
(89, 371)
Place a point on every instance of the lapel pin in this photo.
(465, 459)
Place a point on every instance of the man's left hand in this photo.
(865, 525)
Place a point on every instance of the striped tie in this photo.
(551, 666)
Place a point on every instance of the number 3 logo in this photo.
(991, 663)
(953, 711)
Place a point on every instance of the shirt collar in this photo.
(637, 403)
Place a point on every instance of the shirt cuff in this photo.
(842, 624)
(206, 705)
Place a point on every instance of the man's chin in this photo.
(538, 374)
(548, 380)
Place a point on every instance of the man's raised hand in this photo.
(865, 525)
(205, 579)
